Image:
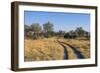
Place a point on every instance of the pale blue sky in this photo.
(60, 20)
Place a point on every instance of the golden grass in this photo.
(46, 49)
(71, 54)
(50, 49)
(82, 45)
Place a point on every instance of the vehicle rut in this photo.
(65, 50)
(76, 52)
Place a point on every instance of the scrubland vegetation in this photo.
(43, 43)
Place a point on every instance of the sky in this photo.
(60, 20)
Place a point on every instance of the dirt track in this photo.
(74, 50)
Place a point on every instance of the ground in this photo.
(56, 49)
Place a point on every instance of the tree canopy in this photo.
(35, 31)
(48, 27)
(36, 28)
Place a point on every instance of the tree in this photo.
(79, 32)
(26, 29)
(30, 34)
(67, 35)
(70, 35)
(36, 28)
(48, 29)
(87, 34)
(61, 33)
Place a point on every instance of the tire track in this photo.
(76, 52)
(65, 50)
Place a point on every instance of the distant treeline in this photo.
(35, 31)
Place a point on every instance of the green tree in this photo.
(36, 28)
(70, 35)
(61, 33)
(30, 34)
(79, 32)
(26, 29)
(48, 29)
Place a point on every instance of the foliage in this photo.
(35, 31)
(36, 28)
(79, 32)
(48, 27)
(30, 34)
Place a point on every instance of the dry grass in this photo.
(71, 54)
(44, 49)
(82, 45)
(50, 49)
